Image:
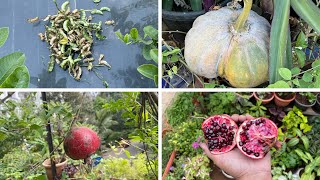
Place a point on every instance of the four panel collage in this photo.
(160, 89)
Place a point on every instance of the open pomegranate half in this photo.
(220, 132)
(256, 137)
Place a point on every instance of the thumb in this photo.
(204, 147)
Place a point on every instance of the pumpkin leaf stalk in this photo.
(239, 25)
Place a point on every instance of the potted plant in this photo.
(316, 106)
(60, 164)
(283, 99)
(265, 97)
(305, 100)
(245, 95)
(180, 14)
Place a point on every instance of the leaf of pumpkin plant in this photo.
(308, 11)
(295, 71)
(279, 84)
(279, 40)
(148, 70)
(4, 34)
(301, 40)
(316, 65)
(156, 80)
(13, 72)
(307, 77)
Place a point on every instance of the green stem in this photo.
(244, 15)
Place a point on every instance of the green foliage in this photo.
(280, 173)
(181, 109)
(119, 168)
(21, 163)
(227, 103)
(294, 120)
(13, 72)
(288, 159)
(197, 167)
(149, 51)
(182, 137)
(258, 110)
(311, 97)
(315, 136)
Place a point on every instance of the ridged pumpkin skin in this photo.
(213, 48)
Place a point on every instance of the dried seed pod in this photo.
(90, 66)
(105, 63)
(88, 60)
(101, 58)
(41, 36)
(110, 22)
(33, 20)
(47, 18)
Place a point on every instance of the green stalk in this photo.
(239, 25)
(308, 11)
(279, 40)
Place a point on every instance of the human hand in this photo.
(238, 165)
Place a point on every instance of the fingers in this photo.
(241, 118)
(204, 147)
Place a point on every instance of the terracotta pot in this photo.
(59, 167)
(264, 101)
(283, 102)
(316, 106)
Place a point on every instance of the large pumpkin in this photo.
(233, 44)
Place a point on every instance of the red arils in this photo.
(220, 132)
(81, 142)
(256, 137)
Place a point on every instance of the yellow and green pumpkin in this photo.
(230, 43)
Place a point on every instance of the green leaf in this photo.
(279, 84)
(120, 36)
(316, 65)
(3, 136)
(4, 34)
(146, 52)
(105, 9)
(307, 77)
(301, 40)
(96, 1)
(148, 70)
(295, 71)
(301, 55)
(126, 38)
(154, 55)
(279, 40)
(96, 11)
(173, 51)
(296, 82)
(134, 33)
(151, 32)
(11, 68)
(127, 153)
(285, 73)
(156, 81)
(175, 69)
(308, 11)
(64, 41)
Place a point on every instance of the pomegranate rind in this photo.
(81, 142)
(221, 119)
(269, 134)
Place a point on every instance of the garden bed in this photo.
(188, 110)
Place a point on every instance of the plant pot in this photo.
(245, 96)
(302, 105)
(316, 106)
(279, 101)
(264, 101)
(167, 5)
(196, 5)
(181, 21)
(59, 167)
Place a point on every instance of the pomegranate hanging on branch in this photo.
(231, 43)
(81, 142)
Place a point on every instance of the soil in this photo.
(286, 96)
(265, 96)
(302, 99)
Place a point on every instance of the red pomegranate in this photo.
(220, 132)
(81, 142)
(256, 137)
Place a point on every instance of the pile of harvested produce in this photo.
(69, 35)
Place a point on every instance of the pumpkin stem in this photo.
(244, 15)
